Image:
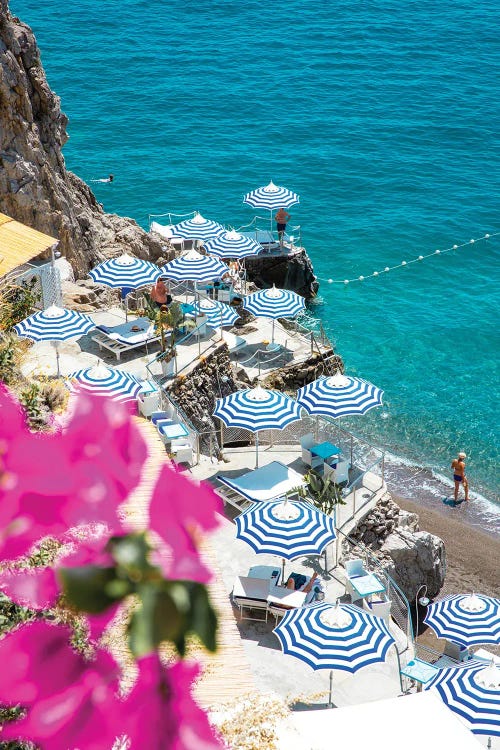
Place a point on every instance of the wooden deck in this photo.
(226, 674)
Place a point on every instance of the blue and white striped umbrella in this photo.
(470, 620)
(339, 396)
(340, 636)
(125, 272)
(473, 693)
(285, 528)
(232, 245)
(271, 197)
(218, 314)
(106, 381)
(194, 267)
(55, 324)
(274, 303)
(257, 409)
(197, 228)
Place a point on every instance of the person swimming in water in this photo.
(105, 179)
(458, 466)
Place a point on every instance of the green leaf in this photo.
(203, 617)
(130, 552)
(158, 619)
(86, 588)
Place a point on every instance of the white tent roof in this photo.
(410, 722)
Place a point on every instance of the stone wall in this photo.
(294, 376)
(286, 272)
(197, 392)
(410, 556)
(35, 187)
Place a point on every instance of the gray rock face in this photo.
(287, 272)
(411, 557)
(35, 187)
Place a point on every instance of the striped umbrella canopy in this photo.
(257, 409)
(340, 636)
(285, 528)
(125, 272)
(232, 245)
(472, 692)
(339, 396)
(271, 197)
(274, 303)
(218, 314)
(194, 267)
(197, 228)
(54, 324)
(470, 620)
(106, 381)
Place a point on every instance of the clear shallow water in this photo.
(383, 117)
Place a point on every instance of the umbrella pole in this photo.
(256, 450)
(317, 427)
(283, 571)
(330, 704)
(272, 337)
(56, 346)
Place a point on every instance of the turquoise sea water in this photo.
(383, 116)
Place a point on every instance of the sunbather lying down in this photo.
(296, 582)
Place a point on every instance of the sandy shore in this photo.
(472, 556)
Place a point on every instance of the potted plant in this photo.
(323, 492)
(166, 319)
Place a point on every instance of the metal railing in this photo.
(170, 215)
(347, 548)
(292, 242)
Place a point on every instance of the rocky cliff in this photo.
(286, 272)
(35, 187)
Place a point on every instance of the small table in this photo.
(172, 430)
(325, 450)
(366, 585)
(420, 672)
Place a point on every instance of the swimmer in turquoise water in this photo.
(458, 466)
(105, 179)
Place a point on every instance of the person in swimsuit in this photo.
(458, 466)
(160, 294)
(281, 219)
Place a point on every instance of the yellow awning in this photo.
(20, 243)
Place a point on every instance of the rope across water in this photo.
(404, 263)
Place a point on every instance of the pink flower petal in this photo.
(160, 713)
(178, 512)
(37, 588)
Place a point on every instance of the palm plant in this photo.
(323, 492)
(165, 319)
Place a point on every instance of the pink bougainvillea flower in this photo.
(37, 588)
(160, 713)
(66, 697)
(179, 511)
(50, 482)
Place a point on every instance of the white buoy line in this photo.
(404, 263)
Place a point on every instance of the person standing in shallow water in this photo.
(281, 218)
(458, 466)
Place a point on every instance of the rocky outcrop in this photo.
(294, 376)
(286, 272)
(35, 187)
(410, 556)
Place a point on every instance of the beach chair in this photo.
(251, 594)
(353, 569)
(379, 606)
(338, 472)
(306, 442)
(126, 336)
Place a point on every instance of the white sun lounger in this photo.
(122, 338)
(265, 483)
